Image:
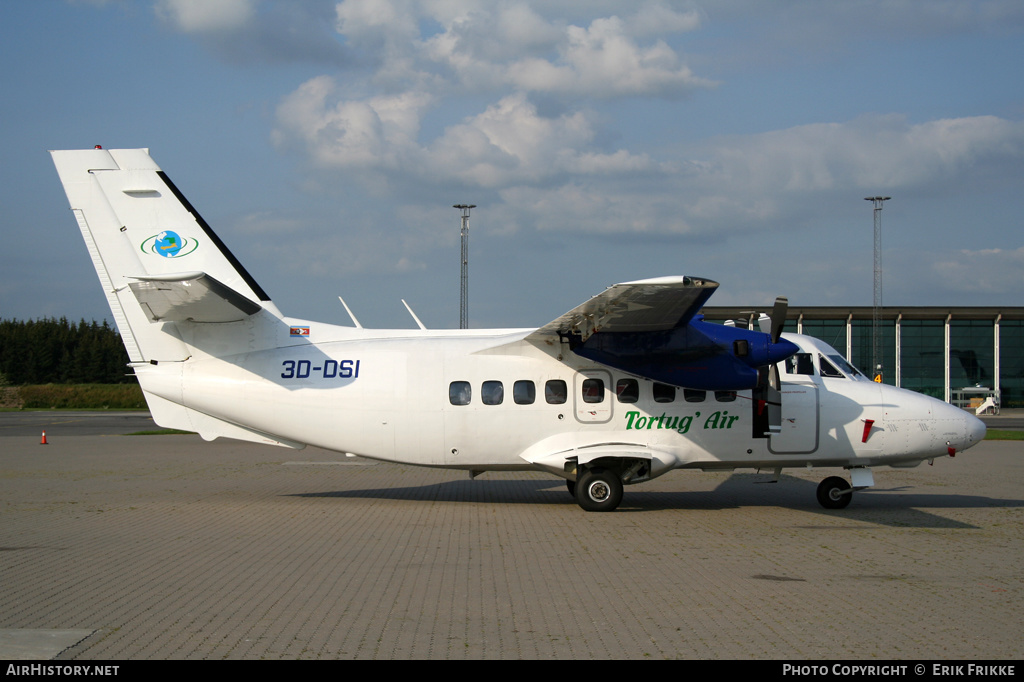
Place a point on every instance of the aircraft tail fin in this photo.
(158, 261)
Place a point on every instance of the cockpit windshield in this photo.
(831, 365)
(845, 369)
(850, 370)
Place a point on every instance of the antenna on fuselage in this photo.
(349, 311)
(413, 315)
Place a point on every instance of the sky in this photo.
(603, 141)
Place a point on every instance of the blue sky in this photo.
(602, 142)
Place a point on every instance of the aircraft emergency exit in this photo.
(619, 390)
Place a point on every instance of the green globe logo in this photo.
(169, 244)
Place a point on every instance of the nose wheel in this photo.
(834, 493)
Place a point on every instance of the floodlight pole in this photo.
(876, 312)
(464, 273)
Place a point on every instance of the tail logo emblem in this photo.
(169, 244)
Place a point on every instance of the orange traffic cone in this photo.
(43, 442)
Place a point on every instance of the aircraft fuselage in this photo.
(393, 396)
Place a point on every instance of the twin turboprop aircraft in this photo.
(620, 390)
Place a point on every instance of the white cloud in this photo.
(552, 172)
(811, 22)
(378, 133)
(977, 272)
(485, 49)
(867, 153)
(508, 143)
(199, 16)
(259, 32)
(603, 60)
(454, 105)
(658, 18)
(776, 179)
(598, 208)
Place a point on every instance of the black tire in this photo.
(571, 485)
(832, 493)
(598, 490)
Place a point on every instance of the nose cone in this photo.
(968, 429)
(976, 430)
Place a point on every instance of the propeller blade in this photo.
(779, 317)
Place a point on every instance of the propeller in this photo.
(768, 394)
(773, 325)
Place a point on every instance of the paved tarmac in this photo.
(169, 547)
(1011, 418)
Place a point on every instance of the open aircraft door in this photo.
(800, 421)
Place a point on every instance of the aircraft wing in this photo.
(650, 328)
(648, 305)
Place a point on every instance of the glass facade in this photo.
(1011, 362)
(971, 353)
(862, 348)
(832, 332)
(922, 357)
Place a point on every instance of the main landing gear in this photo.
(597, 490)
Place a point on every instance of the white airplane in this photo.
(620, 390)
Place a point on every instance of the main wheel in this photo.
(832, 493)
(598, 490)
(571, 485)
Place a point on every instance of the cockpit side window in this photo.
(800, 363)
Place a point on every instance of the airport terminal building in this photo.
(960, 355)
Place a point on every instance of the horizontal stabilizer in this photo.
(190, 297)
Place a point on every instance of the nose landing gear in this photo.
(834, 493)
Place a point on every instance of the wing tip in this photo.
(685, 280)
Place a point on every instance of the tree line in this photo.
(51, 351)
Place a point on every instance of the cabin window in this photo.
(828, 370)
(524, 392)
(692, 395)
(593, 391)
(663, 393)
(725, 396)
(459, 393)
(555, 392)
(492, 393)
(800, 363)
(627, 390)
